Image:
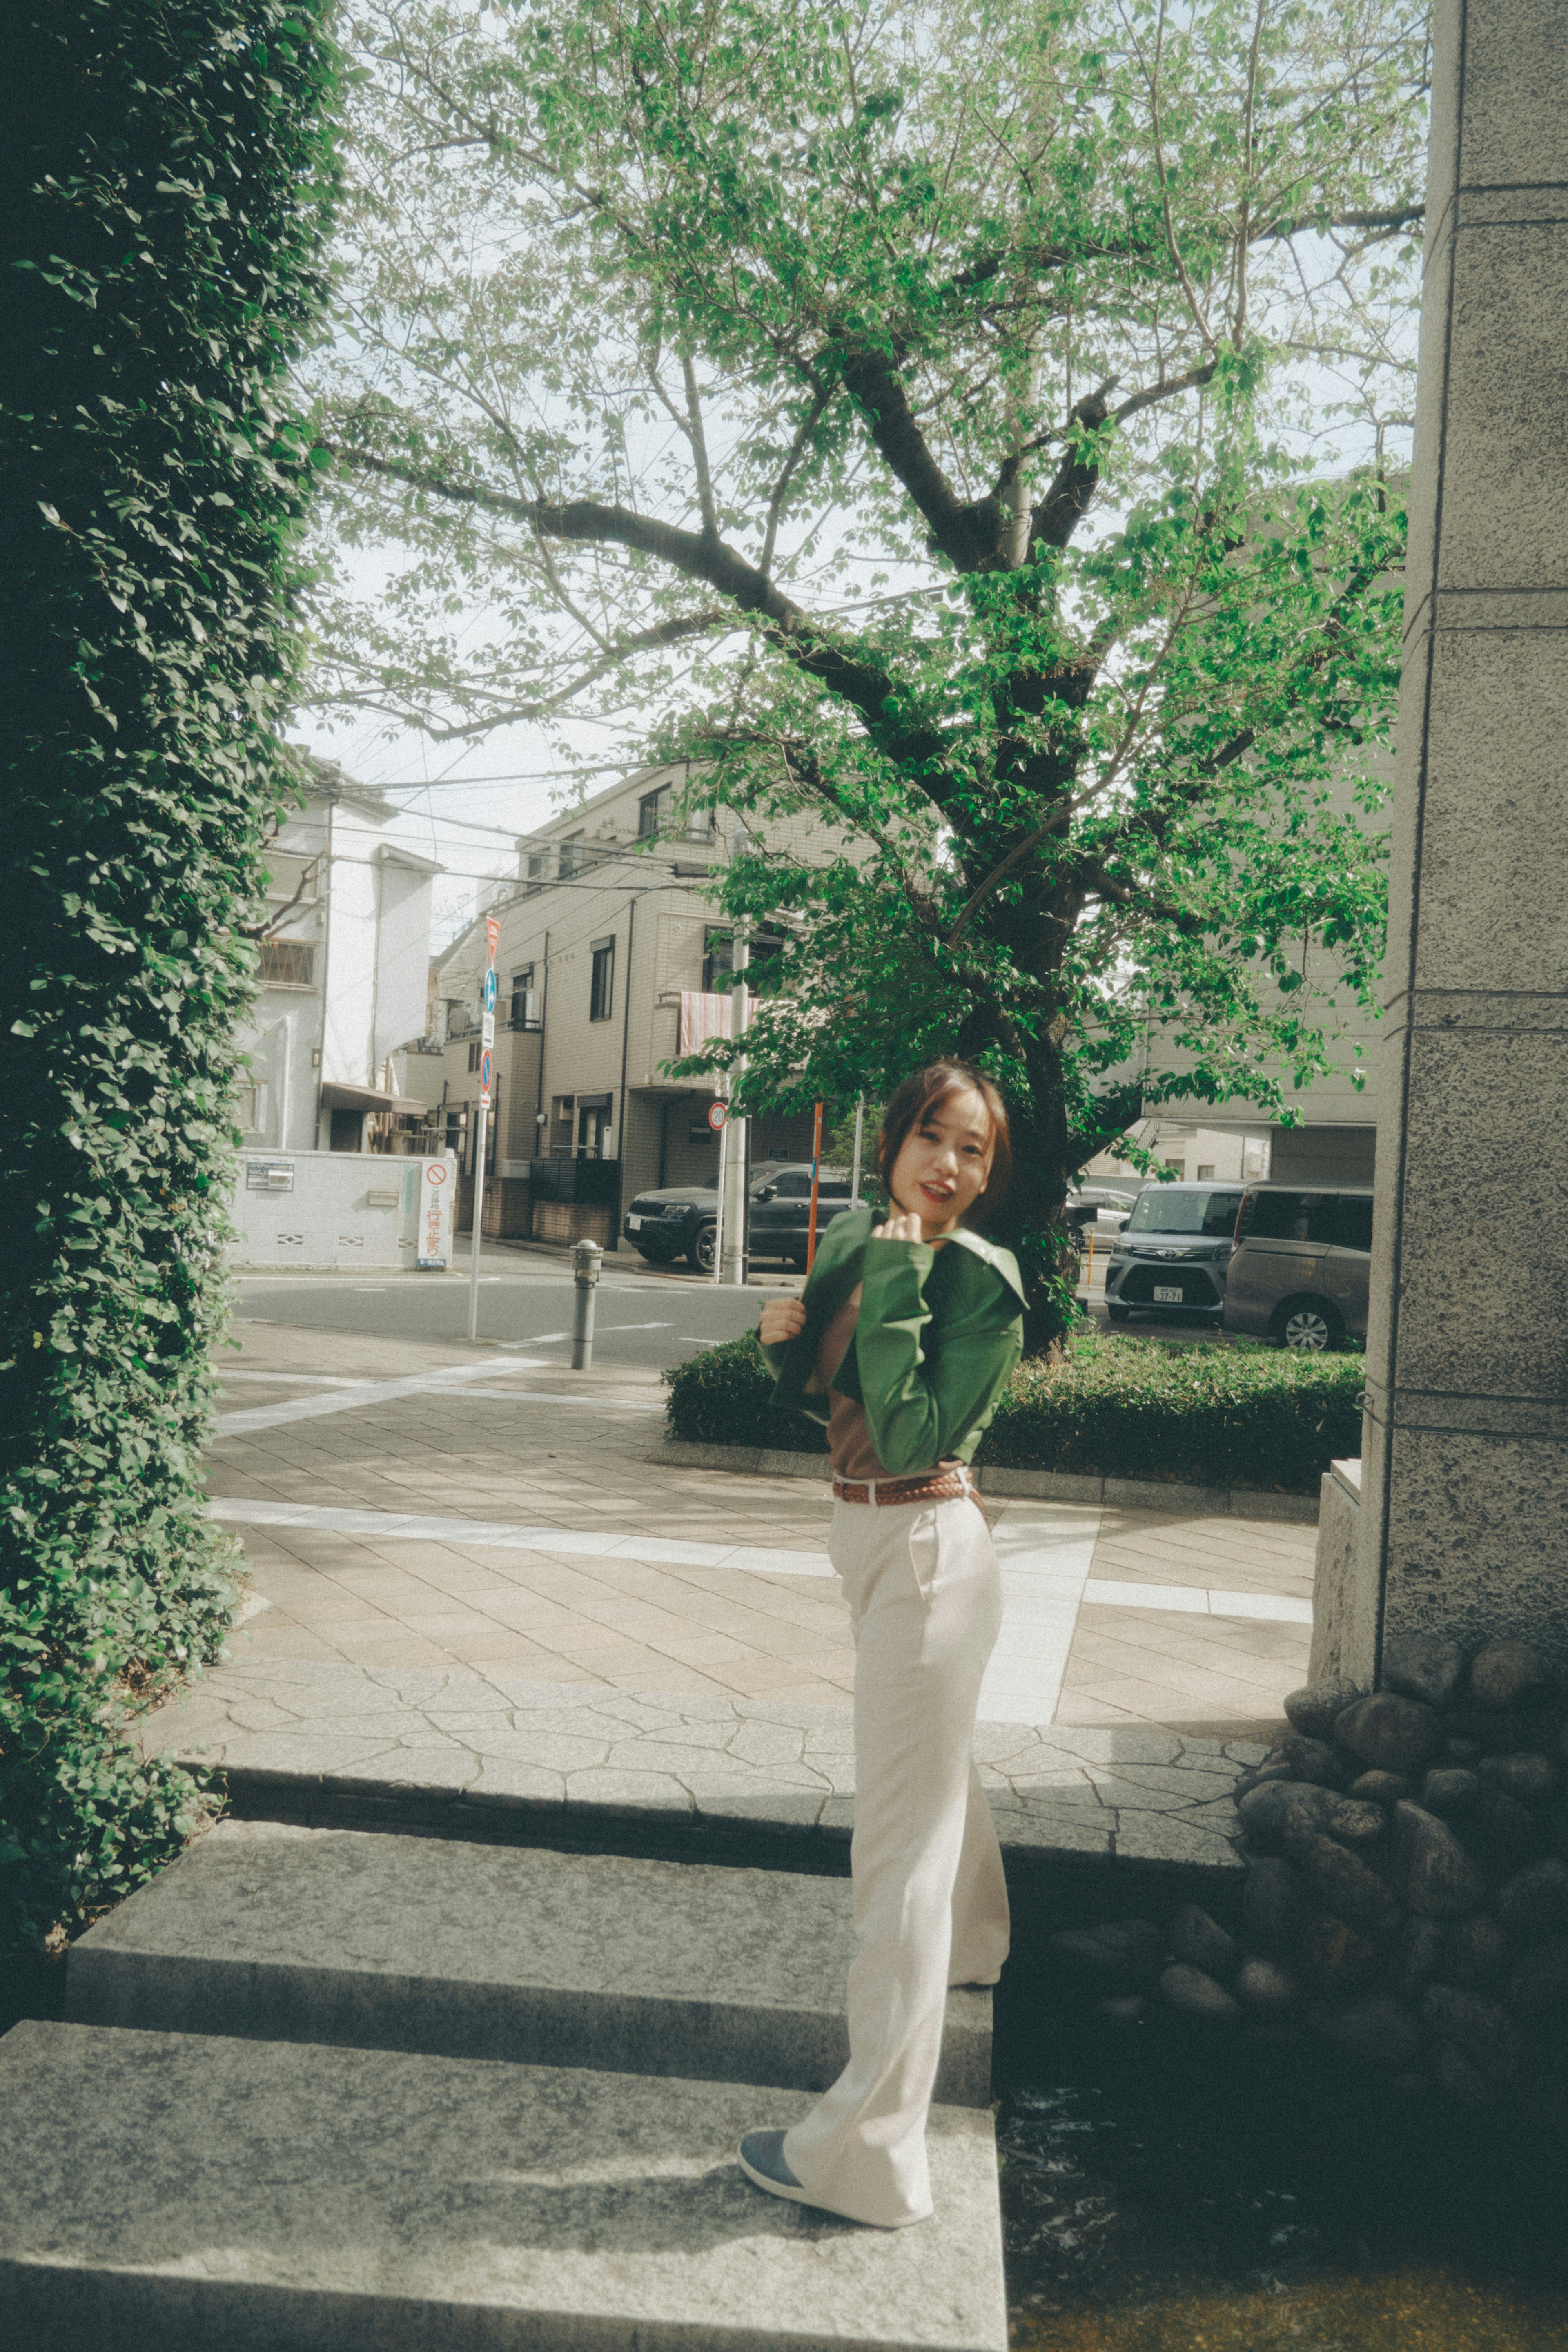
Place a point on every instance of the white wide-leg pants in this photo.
(930, 1900)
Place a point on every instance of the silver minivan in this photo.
(1298, 1275)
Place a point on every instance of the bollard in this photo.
(586, 1259)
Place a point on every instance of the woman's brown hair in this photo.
(913, 1103)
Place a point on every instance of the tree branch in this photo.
(968, 532)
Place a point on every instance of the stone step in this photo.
(270, 1932)
(168, 2192)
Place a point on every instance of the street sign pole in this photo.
(736, 1205)
(859, 1133)
(815, 1179)
(718, 1119)
(486, 1075)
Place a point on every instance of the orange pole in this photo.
(816, 1177)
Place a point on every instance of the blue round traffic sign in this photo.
(489, 991)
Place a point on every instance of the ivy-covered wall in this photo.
(166, 179)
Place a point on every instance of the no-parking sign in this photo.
(486, 1063)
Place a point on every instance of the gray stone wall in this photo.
(1465, 1515)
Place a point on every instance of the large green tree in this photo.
(167, 170)
(916, 415)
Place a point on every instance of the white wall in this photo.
(339, 1209)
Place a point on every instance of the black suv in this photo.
(681, 1220)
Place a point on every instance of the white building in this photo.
(345, 965)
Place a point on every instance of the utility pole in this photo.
(736, 1158)
(860, 1130)
(487, 1072)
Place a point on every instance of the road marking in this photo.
(502, 1536)
(363, 1393)
(1200, 1600)
(547, 1339)
(634, 1326)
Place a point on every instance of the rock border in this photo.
(1032, 1485)
(1405, 1896)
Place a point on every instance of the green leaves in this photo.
(149, 513)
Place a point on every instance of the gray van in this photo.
(1299, 1270)
(1172, 1256)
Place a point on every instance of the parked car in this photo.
(1299, 1273)
(1171, 1256)
(681, 1220)
(1092, 1204)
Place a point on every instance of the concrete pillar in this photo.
(1464, 1520)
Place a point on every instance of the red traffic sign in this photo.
(717, 1115)
(486, 1063)
(493, 934)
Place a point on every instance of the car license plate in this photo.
(633, 1224)
(1168, 1294)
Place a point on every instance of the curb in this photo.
(1034, 1486)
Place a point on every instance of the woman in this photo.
(904, 1337)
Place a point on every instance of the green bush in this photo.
(168, 175)
(1112, 1408)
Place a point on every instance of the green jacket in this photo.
(938, 1334)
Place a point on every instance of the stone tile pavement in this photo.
(466, 1577)
(687, 1580)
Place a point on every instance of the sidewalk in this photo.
(465, 1571)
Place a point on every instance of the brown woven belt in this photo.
(932, 1486)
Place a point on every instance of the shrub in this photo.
(168, 176)
(1112, 1408)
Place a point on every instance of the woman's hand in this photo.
(899, 1229)
(782, 1319)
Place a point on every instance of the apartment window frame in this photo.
(572, 856)
(293, 963)
(601, 979)
(651, 810)
(522, 989)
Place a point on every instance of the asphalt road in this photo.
(649, 1321)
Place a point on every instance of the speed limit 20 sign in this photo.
(717, 1115)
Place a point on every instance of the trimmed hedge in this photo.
(167, 185)
(1112, 1408)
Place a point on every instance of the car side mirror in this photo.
(765, 1193)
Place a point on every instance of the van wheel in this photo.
(700, 1253)
(1307, 1323)
(1118, 1314)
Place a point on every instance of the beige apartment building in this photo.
(608, 926)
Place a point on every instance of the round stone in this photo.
(1479, 2026)
(1256, 1778)
(1476, 1948)
(1281, 1808)
(1266, 1989)
(1509, 1673)
(1201, 1941)
(1333, 1957)
(1450, 1790)
(1505, 1825)
(1432, 1872)
(1419, 1949)
(1360, 1826)
(1391, 1733)
(1344, 1885)
(1273, 1907)
(1197, 1994)
(1454, 2072)
(1535, 1898)
(1521, 1773)
(1382, 1787)
(1122, 1947)
(1317, 1708)
(1420, 1666)
(1540, 1980)
(1462, 1751)
(1314, 1760)
(1125, 2008)
(1375, 2027)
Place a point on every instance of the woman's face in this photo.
(945, 1162)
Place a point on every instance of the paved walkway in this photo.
(470, 1585)
(427, 1505)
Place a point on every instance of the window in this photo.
(650, 813)
(700, 825)
(572, 856)
(475, 1050)
(1160, 1210)
(1350, 1225)
(1287, 1216)
(794, 1184)
(525, 1007)
(1206, 1173)
(286, 963)
(602, 988)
